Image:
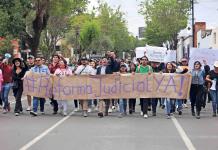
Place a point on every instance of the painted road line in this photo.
(183, 135)
(43, 134)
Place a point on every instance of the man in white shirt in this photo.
(84, 69)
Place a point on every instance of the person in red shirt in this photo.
(6, 68)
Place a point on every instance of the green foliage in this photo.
(89, 33)
(164, 19)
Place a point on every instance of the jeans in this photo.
(123, 105)
(35, 104)
(214, 96)
(5, 92)
(179, 104)
(169, 105)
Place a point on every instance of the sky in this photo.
(205, 10)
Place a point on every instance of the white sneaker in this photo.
(141, 113)
(64, 114)
(16, 114)
(113, 107)
(185, 105)
(110, 110)
(89, 110)
(145, 116)
(42, 112)
(28, 108)
(76, 109)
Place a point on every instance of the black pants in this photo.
(107, 105)
(55, 105)
(0, 100)
(144, 105)
(76, 103)
(132, 103)
(195, 99)
(18, 94)
(154, 102)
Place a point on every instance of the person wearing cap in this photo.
(31, 63)
(156, 68)
(213, 78)
(84, 69)
(185, 68)
(144, 68)
(6, 68)
(19, 70)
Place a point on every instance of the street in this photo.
(132, 132)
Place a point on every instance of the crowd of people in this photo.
(204, 85)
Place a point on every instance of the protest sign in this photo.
(198, 54)
(109, 86)
(170, 56)
(155, 54)
(39, 85)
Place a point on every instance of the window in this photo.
(214, 37)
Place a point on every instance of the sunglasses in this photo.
(38, 60)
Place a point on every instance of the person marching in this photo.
(19, 70)
(39, 68)
(144, 68)
(84, 69)
(62, 71)
(213, 78)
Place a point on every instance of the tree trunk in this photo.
(39, 23)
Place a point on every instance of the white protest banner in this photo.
(170, 56)
(200, 54)
(156, 54)
(140, 52)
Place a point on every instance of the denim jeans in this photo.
(35, 104)
(4, 94)
(214, 96)
(169, 105)
(123, 105)
(179, 104)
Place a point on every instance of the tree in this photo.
(89, 33)
(27, 19)
(164, 19)
(113, 25)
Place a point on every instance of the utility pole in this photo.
(193, 22)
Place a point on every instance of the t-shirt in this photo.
(85, 70)
(144, 69)
(213, 76)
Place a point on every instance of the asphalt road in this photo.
(132, 132)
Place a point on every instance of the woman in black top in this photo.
(19, 71)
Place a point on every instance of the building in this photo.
(207, 38)
(185, 40)
(141, 32)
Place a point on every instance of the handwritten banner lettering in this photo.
(108, 86)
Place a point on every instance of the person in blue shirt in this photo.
(39, 68)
